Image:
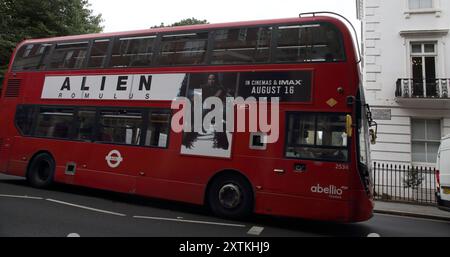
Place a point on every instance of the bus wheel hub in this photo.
(230, 196)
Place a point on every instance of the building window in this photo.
(426, 136)
(423, 69)
(420, 4)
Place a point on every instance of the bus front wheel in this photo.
(231, 196)
(41, 171)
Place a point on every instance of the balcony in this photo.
(423, 89)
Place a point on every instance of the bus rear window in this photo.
(31, 57)
(316, 136)
(309, 43)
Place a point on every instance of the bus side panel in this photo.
(4, 151)
(361, 206)
(122, 183)
(6, 139)
(21, 154)
(308, 208)
(171, 190)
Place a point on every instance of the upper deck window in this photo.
(241, 45)
(133, 51)
(183, 49)
(99, 52)
(69, 55)
(31, 57)
(309, 43)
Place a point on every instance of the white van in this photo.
(443, 175)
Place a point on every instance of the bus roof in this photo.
(184, 28)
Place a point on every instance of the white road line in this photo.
(190, 221)
(23, 197)
(87, 208)
(255, 231)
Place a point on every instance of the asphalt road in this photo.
(68, 210)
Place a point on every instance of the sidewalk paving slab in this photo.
(411, 210)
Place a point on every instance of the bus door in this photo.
(316, 156)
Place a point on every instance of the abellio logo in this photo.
(331, 190)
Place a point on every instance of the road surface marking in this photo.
(256, 231)
(412, 218)
(73, 235)
(23, 197)
(87, 208)
(373, 235)
(190, 221)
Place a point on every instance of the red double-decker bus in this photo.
(95, 111)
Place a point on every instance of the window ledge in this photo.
(408, 13)
(423, 164)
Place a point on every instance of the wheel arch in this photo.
(34, 157)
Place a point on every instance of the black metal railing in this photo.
(402, 183)
(422, 88)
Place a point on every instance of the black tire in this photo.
(231, 196)
(41, 171)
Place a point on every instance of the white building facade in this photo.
(406, 71)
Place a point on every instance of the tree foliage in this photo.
(183, 22)
(24, 19)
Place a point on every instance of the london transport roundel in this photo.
(113, 159)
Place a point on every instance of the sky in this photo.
(142, 14)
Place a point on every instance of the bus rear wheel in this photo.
(230, 196)
(41, 171)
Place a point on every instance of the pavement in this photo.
(411, 210)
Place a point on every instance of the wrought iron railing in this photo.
(423, 88)
(402, 183)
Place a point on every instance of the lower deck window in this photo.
(54, 122)
(158, 129)
(317, 136)
(120, 126)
